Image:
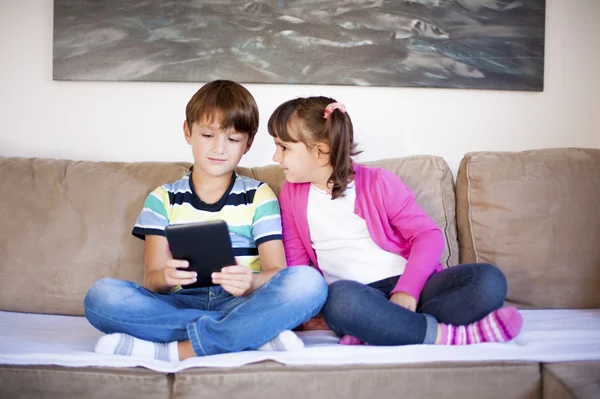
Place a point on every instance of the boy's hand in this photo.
(234, 279)
(405, 300)
(173, 277)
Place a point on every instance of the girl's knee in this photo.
(340, 300)
(344, 288)
(492, 284)
(493, 278)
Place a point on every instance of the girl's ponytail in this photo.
(340, 134)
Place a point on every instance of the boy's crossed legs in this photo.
(207, 320)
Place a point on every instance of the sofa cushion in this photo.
(536, 215)
(66, 383)
(571, 380)
(69, 223)
(443, 380)
(66, 224)
(428, 176)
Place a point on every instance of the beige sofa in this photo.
(535, 214)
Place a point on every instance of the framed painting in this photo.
(476, 44)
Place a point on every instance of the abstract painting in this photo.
(476, 44)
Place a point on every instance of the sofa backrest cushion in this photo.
(66, 224)
(536, 215)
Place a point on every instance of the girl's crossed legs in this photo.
(464, 295)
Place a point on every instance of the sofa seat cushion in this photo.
(572, 380)
(422, 380)
(76, 383)
(547, 336)
(536, 215)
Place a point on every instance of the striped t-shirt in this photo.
(249, 207)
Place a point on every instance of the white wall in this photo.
(142, 121)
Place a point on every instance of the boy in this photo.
(245, 310)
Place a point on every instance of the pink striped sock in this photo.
(350, 340)
(501, 325)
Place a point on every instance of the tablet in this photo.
(205, 245)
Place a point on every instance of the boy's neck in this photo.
(210, 189)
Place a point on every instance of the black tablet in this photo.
(205, 245)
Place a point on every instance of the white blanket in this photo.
(547, 336)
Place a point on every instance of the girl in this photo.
(377, 249)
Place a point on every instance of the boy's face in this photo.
(216, 152)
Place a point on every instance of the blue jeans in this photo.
(212, 319)
(458, 295)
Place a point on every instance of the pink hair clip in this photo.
(332, 107)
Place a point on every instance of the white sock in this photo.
(124, 344)
(285, 341)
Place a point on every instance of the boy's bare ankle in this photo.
(185, 350)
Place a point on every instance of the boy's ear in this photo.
(250, 141)
(187, 133)
(323, 151)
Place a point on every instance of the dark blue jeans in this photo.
(457, 295)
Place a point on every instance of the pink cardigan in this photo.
(396, 222)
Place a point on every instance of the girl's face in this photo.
(300, 163)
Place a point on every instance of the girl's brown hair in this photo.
(336, 131)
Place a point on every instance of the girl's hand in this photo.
(405, 300)
(173, 277)
(236, 280)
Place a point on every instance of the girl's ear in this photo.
(323, 151)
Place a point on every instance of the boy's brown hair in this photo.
(225, 100)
